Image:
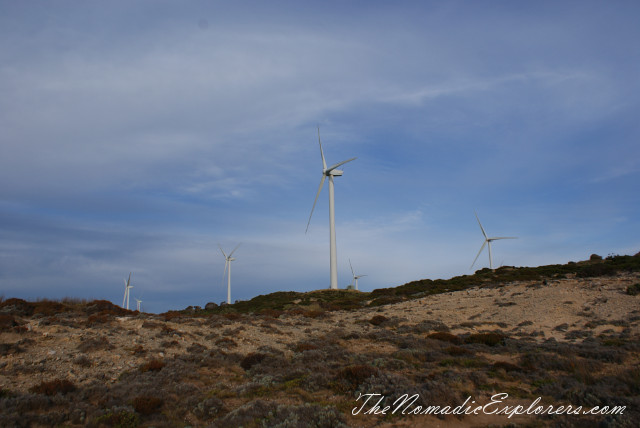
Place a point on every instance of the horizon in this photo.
(139, 136)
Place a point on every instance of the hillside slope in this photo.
(568, 340)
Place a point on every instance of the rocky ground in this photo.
(571, 341)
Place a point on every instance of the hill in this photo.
(567, 335)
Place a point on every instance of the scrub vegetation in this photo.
(195, 367)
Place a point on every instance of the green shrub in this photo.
(633, 290)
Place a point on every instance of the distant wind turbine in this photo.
(127, 287)
(330, 172)
(355, 277)
(227, 270)
(138, 305)
(487, 242)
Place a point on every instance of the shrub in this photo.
(457, 351)
(262, 413)
(633, 290)
(273, 313)
(489, 339)
(507, 367)
(208, 408)
(378, 319)
(147, 405)
(152, 365)
(18, 307)
(232, 316)
(226, 342)
(313, 314)
(82, 361)
(119, 418)
(301, 347)
(57, 386)
(7, 322)
(351, 377)
(251, 360)
(445, 337)
(94, 344)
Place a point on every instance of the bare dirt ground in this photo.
(43, 349)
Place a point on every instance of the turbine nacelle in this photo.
(334, 173)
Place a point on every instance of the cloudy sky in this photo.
(137, 135)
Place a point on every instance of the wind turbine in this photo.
(355, 277)
(138, 304)
(127, 287)
(227, 266)
(487, 242)
(330, 172)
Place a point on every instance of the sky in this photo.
(137, 136)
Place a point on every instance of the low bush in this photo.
(507, 367)
(252, 359)
(92, 344)
(152, 366)
(7, 322)
(350, 377)
(146, 404)
(301, 347)
(120, 418)
(445, 337)
(226, 342)
(633, 290)
(57, 386)
(378, 319)
(489, 339)
(82, 361)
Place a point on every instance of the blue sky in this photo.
(136, 136)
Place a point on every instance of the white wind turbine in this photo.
(138, 304)
(127, 287)
(330, 172)
(227, 268)
(355, 277)
(487, 242)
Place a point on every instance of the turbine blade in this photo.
(225, 256)
(315, 201)
(352, 272)
(324, 163)
(504, 237)
(224, 274)
(332, 167)
(234, 250)
(481, 228)
(481, 248)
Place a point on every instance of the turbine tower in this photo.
(330, 172)
(227, 267)
(355, 277)
(127, 287)
(487, 242)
